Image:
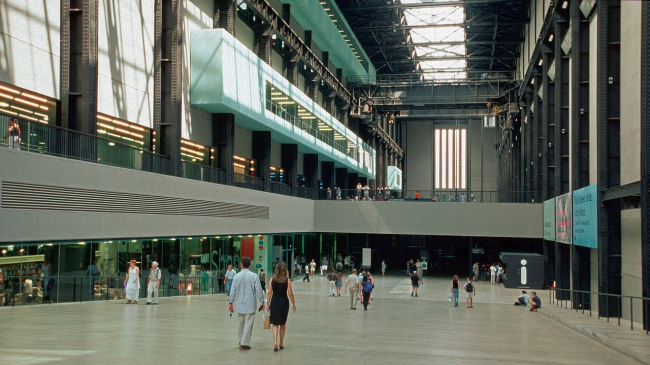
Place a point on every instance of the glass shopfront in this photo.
(58, 272)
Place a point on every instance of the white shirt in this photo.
(246, 292)
(230, 274)
(493, 270)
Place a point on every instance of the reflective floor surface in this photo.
(397, 329)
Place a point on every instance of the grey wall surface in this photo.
(287, 214)
(428, 218)
(419, 158)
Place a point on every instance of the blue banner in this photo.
(585, 217)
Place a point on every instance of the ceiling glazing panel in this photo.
(444, 22)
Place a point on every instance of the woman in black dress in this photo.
(279, 289)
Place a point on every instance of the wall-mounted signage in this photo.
(549, 220)
(585, 217)
(563, 219)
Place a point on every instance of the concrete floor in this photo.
(396, 329)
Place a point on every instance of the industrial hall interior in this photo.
(151, 149)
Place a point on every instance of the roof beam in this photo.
(452, 58)
(466, 24)
(432, 5)
(442, 43)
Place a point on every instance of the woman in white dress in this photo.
(132, 283)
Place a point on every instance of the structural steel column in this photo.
(547, 128)
(262, 43)
(537, 142)
(310, 169)
(561, 148)
(608, 149)
(289, 164)
(579, 97)
(223, 137)
(262, 154)
(168, 72)
(645, 158)
(290, 67)
(225, 13)
(79, 49)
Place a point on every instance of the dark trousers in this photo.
(483, 276)
(366, 299)
(306, 276)
(263, 284)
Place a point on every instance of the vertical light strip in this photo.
(443, 160)
(436, 166)
(450, 157)
(456, 159)
(463, 159)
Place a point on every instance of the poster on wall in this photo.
(563, 224)
(585, 217)
(549, 220)
(261, 257)
(366, 257)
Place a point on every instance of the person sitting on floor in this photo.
(535, 302)
(523, 299)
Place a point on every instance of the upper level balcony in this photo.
(228, 78)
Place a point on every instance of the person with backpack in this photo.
(470, 292)
(366, 286)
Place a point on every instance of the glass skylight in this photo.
(438, 15)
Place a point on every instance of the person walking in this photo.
(323, 266)
(154, 281)
(470, 292)
(306, 273)
(475, 270)
(339, 282)
(312, 268)
(262, 276)
(454, 289)
(331, 278)
(230, 275)
(493, 274)
(352, 283)
(279, 289)
(132, 283)
(415, 283)
(246, 294)
(383, 267)
(366, 285)
(418, 269)
(484, 270)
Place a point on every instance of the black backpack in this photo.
(469, 287)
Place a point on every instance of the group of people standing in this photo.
(469, 288)
(494, 271)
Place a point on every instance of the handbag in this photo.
(267, 320)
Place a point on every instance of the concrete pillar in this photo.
(223, 138)
(261, 151)
(290, 165)
(342, 180)
(327, 175)
(310, 170)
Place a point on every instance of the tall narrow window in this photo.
(450, 156)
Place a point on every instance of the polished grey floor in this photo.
(397, 328)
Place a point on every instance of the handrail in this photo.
(645, 301)
(78, 286)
